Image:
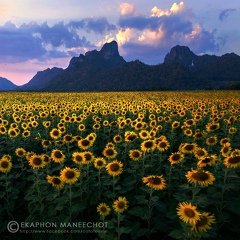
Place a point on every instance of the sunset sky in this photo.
(40, 34)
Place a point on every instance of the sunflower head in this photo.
(135, 154)
(55, 181)
(176, 158)
(37, 161)
(155, 182)
(204, 223)
(5, 165)
(57, 156)
(78, 158)
(114, 168)
(120, 205)
(203, 178)
(20, 152)
(69, 175)
(103, 209)
(99, 163)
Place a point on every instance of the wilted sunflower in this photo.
(114, 168)
(232, 161)
(135, 154)
(45, 143)
(163, 145)
(69, 175)
(204, 223)
(155, 182)
(103, 209)
(148, 145)
(20, 152)
(37, 161)
(203, 178)
(109, 152)
(5, 165)
(55, 181)
(176, 157)
(57, 156)
(188, 213)
(55, 133)
(78, 158)
(207, 160)
(84, 143)
(120, 205)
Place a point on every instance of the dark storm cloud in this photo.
(97, 25)
(225, 13)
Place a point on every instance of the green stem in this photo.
(70, 202)
(150, 213)
(223, 190)
(119, 233)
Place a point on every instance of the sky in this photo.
(40, 34)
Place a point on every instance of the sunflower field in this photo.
(130, 165)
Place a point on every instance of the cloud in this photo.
(127, 9)
(96, 25)
(225, 13)
(150, 37)
(38, 41)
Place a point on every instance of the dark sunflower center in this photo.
(56, 181)
(131, 137)
(211, 140)
(234, 160)
(156, 180)
(46, 143)
(55, 133)
(109, 152)
(176, 157)
(103, 209)
(148, 144)
(135, 154)
(117, 138)
(189, 147)
(200, 176)
(58, 154)
(88, 157)
(162, 145)
(37, 161)
(121, 205)
(12, 133)
(78, 158)
(213, 127)
(200, 152)
(114, 167)
(225, 149)
(100, 163)
(90, 138)
(68, 138)
(4, 164)
(20, 152)
(202, 222)
(189, 212)
(85, 142)
(206, 160)
(144, 134)
(69, 174)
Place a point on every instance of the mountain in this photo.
(40, 80)
(6, 85)
(106, 70)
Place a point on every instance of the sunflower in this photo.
(232, 130)
(88, 156)
(207, 160)
(57, 156)
(226, 149)
(12, 132)
(91, 137)
(109, 152)
(5, 165)
(200, 152)
(224, 140)
(99, 163)
(46, 158)
(68, 138)
(176, 157)
(45, 143)
(20, 152)
(114, 168)
(163, 145)
(232, 161)
(199, 135)
(135, 154)
(55, 133)
(85, 143)
(211, 141)
(187, 147)
(81, 127)
(69, 175)
(103, 209)
(117, 138)
(175, 124)
(26, 133)
(155, 182)
(78, 157)
(120, 205)
(3, 130)
(211, 127)
(37, 161)
(203, 178)
(188, 213)
(148, 145)
(188, 132)
(144, 134)
(130, 136)
(189, 122)
(55, 181)
(204, 223)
